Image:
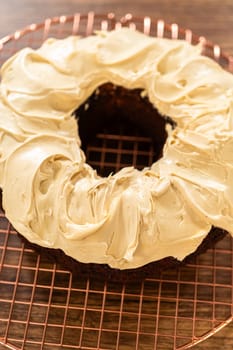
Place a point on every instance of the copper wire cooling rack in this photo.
(43, 307)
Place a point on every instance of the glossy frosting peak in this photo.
(56, 200)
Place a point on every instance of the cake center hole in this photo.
(119, 128)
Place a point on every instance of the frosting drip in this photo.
(55, 199)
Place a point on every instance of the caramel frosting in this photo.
(128, 219)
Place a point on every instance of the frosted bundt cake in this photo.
(126, 220)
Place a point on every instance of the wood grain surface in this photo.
(210, 18)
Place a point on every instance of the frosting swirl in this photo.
(55, 199)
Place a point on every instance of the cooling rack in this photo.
(43, 307)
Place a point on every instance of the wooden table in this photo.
(211, 18)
